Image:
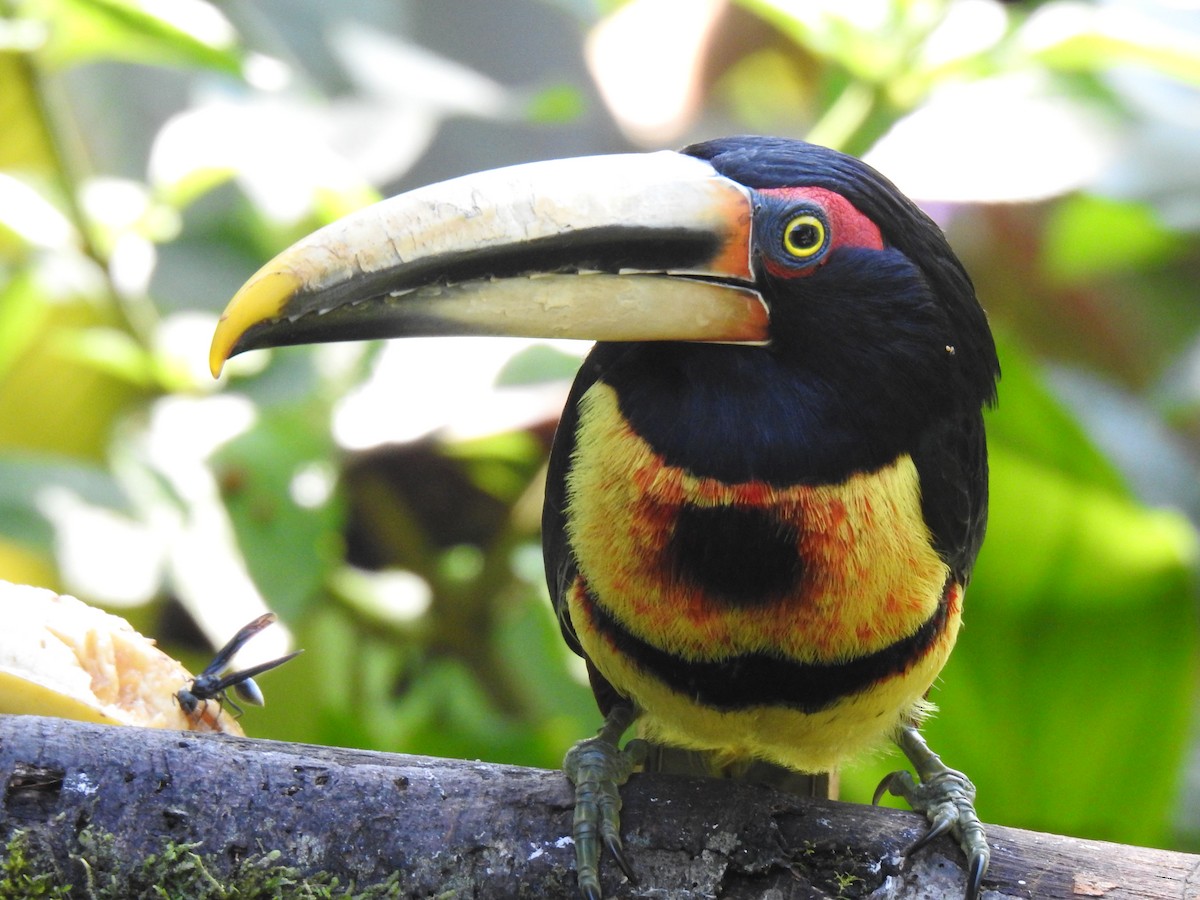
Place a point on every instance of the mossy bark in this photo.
(110, 809)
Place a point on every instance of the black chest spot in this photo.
(742, 556)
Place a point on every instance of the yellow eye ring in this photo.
(804, 236)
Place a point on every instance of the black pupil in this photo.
(805, 235)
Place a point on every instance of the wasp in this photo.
(211, 684)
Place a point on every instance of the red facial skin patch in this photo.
(847, 227)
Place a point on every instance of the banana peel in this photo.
(61, 657)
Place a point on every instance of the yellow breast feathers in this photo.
(749, 617)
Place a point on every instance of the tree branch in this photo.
(92, 803)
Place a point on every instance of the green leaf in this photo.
(1085, 38)
(1088, 236)
(22, 318)
(25, 145)
(550, 677)
(111, 351)
(538, 364)
(157, 32)
(283, 501)
(556, 105)
(874, 42)
(445, 712)
(50, 398)
(1030, 422)
(501, 464)
(768, 87)
(24, 479)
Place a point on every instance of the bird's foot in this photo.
(598, 768)
(947, 798)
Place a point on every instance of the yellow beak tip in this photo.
(217, 354)
(260, 299)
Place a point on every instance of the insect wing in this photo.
(226, 653)
(236, 680)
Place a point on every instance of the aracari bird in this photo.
(769, 485)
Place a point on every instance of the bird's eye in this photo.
(804, 236)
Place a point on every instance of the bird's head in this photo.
(801, 250)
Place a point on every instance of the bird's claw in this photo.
(598, 768)
(947, 799)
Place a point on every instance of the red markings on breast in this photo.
(857, 565)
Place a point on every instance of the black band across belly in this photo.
(757, 679)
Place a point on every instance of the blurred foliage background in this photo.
(384, 500)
